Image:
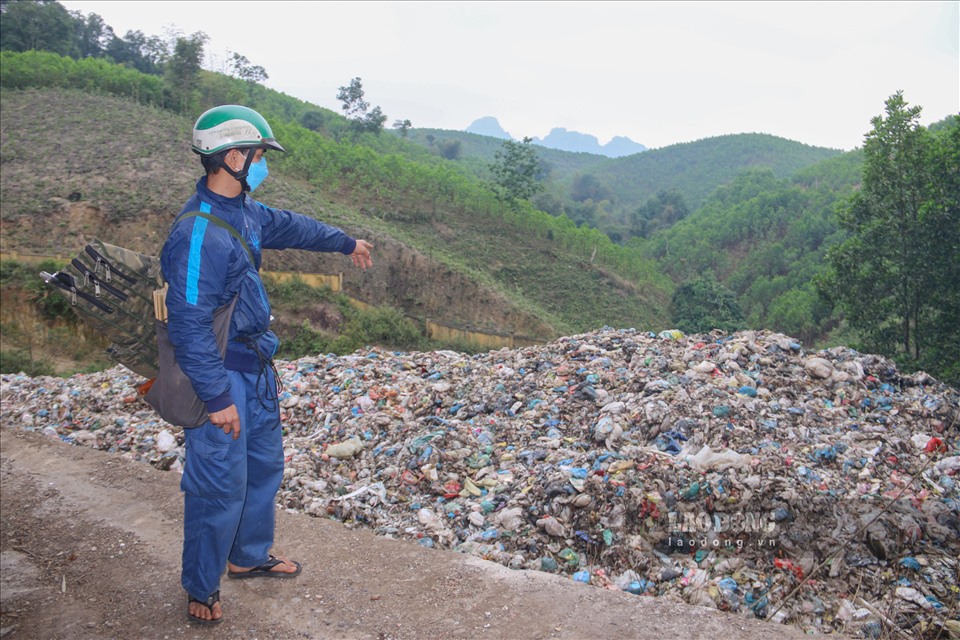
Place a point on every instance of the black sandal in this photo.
(266, 570)
(208, 603)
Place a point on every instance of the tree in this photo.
(243, 69)
(182, 71)
(373, 121)
(516, 170)
(450, 149)
(896, 276)
(798, 313)
(660, 212)
(313, 120)
(703, 304)
(92, 34)
(146, 54)
(37, 25)
(587, 186)
(355, 108)
(941, 215)
(403, 126)
(549, 202)
(940, 225)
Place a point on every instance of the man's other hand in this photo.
(227, 419)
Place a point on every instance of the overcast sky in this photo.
(657, 72)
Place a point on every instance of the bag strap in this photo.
(223, 225)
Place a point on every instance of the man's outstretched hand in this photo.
(361, 255)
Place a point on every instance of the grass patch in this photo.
(22, 361)
(377, 326)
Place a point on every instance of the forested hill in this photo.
(612, 195)
(696, 169)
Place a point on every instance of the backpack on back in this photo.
(122, 294)
(112, 289)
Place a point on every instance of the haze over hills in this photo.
(563, 140)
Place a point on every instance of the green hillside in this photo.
(131, 176)
(79, 163)
(765, 239)
(696, 169)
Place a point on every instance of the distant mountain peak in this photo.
(563, 140)
(488, 126)
(620, 146)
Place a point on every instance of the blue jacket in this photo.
(205, 266)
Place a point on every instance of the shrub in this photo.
(22, 362)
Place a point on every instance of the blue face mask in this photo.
(257, 173)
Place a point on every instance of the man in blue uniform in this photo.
(234, 461)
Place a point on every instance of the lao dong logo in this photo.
(708, 530)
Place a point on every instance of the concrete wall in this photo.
(442, 332)
(334, 281)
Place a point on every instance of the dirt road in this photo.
(90, 548)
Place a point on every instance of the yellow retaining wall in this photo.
(360, 304)
(333, 281)
(32, 257)
(442, 332)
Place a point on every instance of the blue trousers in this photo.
(230, 487)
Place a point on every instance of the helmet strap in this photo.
(239, 176)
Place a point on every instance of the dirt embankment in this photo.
(401, 277)
(407, 279)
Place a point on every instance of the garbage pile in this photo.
(734, 471)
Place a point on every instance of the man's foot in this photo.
(272, 568)
(205, 611)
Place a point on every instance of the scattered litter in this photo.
(721, 469)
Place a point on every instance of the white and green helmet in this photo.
(231, 126)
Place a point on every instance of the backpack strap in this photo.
(223, 225)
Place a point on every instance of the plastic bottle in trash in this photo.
(728, 592)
